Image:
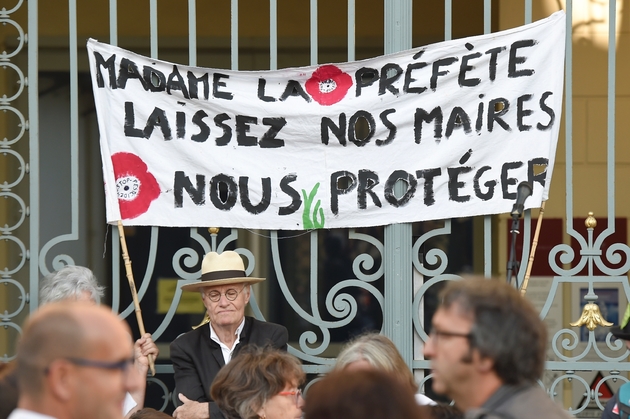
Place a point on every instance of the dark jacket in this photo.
(8, 392)
(197, 359)
(528, 401)
(611, 411)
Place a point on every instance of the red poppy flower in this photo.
(135, 185)
(328, 85)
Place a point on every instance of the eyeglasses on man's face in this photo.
(436, 334)
(230, 294)
(123, 365)
(295, 394)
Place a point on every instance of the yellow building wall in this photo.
(590, 114)
(590, 33)
(590, 185)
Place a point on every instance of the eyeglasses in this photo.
(230, 294)
(295, 393)
(435, 334)
(122, 365)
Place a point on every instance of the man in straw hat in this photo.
(487, 347)
(619, 405)
(198, 355)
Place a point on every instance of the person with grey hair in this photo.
(376, 351)
(77, 283)
(70, 283)
(487, 348)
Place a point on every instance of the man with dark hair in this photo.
(73, 362)
(487, 349)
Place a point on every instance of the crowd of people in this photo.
(76, 359)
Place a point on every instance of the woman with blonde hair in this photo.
(260, 383)
(376, 351)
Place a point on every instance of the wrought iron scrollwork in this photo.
(15, 205)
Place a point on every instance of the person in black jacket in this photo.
(198, 355)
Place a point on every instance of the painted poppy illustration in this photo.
(135, 185)
(328, 85)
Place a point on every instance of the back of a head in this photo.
(361, 394)
(253, 376)
(69, 283)
(506, 327)
(380, 352)
(444, 411)
(149, 413)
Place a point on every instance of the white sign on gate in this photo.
(461, 123)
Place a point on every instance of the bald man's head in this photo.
(62, 331)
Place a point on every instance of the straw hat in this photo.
(221, 269)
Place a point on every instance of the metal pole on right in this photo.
(532, 252)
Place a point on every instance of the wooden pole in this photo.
(132, 287)
(530, 262)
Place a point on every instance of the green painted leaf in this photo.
(311, 222)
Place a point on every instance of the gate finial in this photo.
(591, 318)
(590, 221)
(591, 315)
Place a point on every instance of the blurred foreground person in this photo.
(77, 283)
(360, 394)
(445, 411)
(487, 349)
(73, 362)
(150, 413)
(8, 390)
(260, 383)
(373, 350)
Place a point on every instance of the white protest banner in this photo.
(460, 123)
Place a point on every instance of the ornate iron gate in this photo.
(325, 285)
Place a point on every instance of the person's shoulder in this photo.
(264, 333)
(534, 402)
(190, 337)
(263, 325)
(20, 413)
